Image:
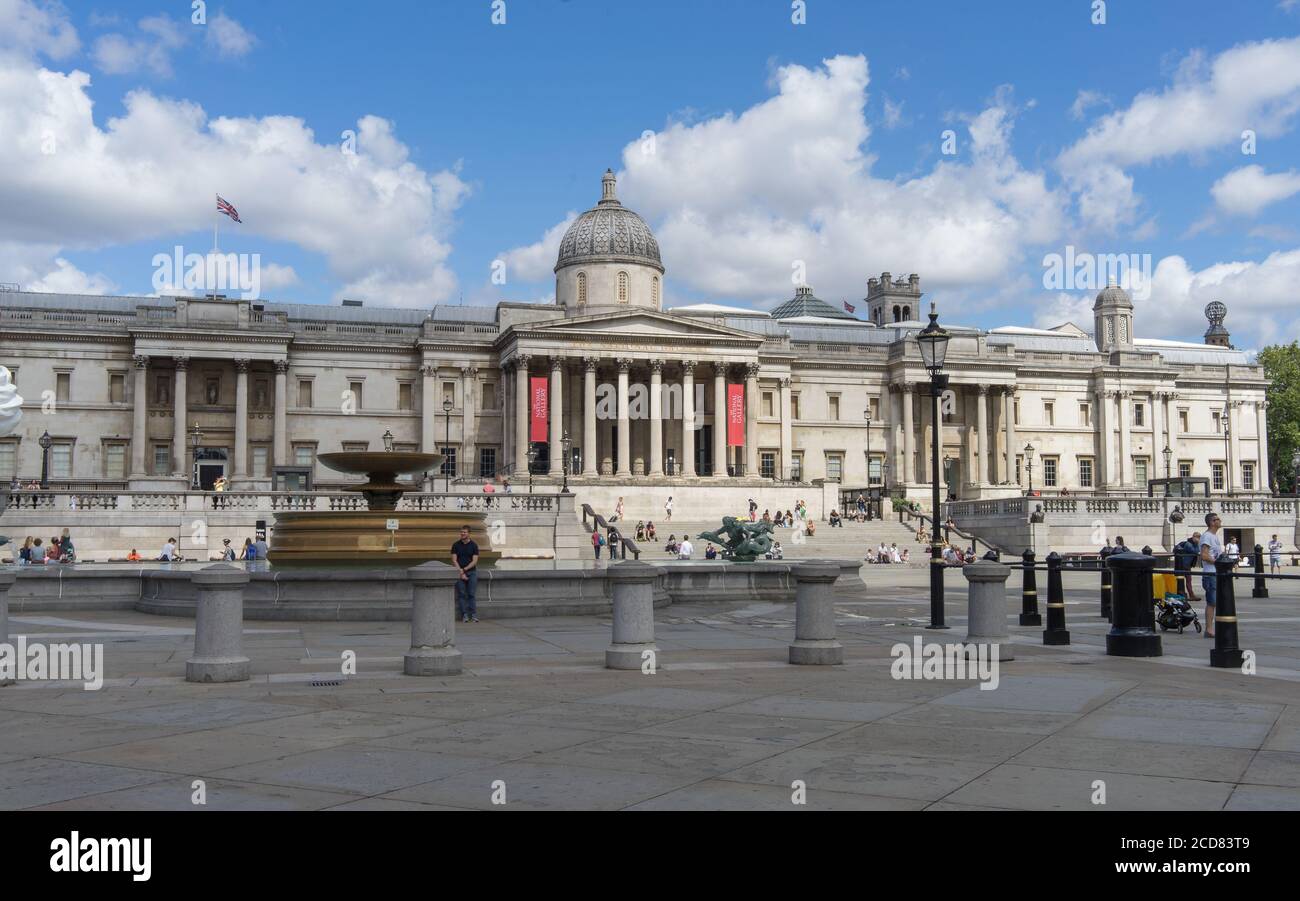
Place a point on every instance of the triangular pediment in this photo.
(641, 322)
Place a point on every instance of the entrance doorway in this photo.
(210, 465)
(704, 450)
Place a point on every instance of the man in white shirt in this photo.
(1211, 549)
(168, 550)
(684, 550)
(1274, 556)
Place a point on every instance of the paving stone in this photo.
(220, 794)
(813, 708)
(1047, 788)
(488, 739)
(928, 741)
(1140, 758)
(37, 781)
(363, 769)
(887, 775)
(716, 794)
(538, 785)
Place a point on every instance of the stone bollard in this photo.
(7, 580)
(1226, 653)
(986, 608)
(634, 614)
(1106, 585)
(814, 614)
(1029, 615)
(1055, 633)
(433, 621)
(1133, 631)
(218, 626)
(1261, 588)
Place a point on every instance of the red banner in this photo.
(537, 400)
(735, 415)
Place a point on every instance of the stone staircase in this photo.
(850, 542)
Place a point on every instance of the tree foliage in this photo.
(1281, 364)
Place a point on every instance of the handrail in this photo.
(626, 544)
(975, 540)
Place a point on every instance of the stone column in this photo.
(720, 420)
(751, 420)
(986, 607)
(556, 410)
(433, 621)
(522, 403)
(140, 418)
(1234, 445)
(909, 434)
(688, 419)
(280, 439)
(469, 411)
(1125, 467)
(590, 458)
(1264, 483)
(982, 468)
(429, 409)
(787, 431)
(218, 626)
(241, 419)
(1171, 423)
(623, 466)
(7, 579)
(179, 398)
(814, 614)
(634, 614)
(656, 417)
(1157, 438)
(507, 418)
(1102, 405)
(1009, 425)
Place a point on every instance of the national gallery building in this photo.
(133, 391)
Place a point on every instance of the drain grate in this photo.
(326, 683)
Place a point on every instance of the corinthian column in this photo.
(1264, 483)
(1125, 464)
(589, 456)
(688, 418)
(557, 415)
(982, 475)
(469, 409)
(624, 465)
(179, 398)
(428, 410)
(1009, 419)
(241, 419)
(751, 420)
(656, 418)
(280, 435)
(139, 417)
(909, 436)
(787, 436)
(720, 420)
(522, 404)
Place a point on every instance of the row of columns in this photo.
(180, 401)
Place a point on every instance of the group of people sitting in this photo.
(59, 550)
(890, 554)
(954, 557)
(645, 531)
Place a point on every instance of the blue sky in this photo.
(767, 151)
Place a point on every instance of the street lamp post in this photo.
(933, 341)
(1227, 451)
(196, 438)
(1295, 474)
(46, 442)
(1029, 467)
(565, 444)
(447, 406)
(1168, 454)
(866, 414)
(532, 456)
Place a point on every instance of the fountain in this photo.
(379, 535)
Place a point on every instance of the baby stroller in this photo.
(1172, 609)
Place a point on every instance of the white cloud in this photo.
(893, 113)
(228, 37)
(1084, 101)
(1246, 191)
(152, 48)
(736, 199)
(380, 221)
(66, 278)
(536, 262)
(30, 28)
(1251, 86)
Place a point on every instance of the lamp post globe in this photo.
(933, 343)
(388, 441)
(46, 442)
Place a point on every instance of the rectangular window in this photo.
(834, 467)
(767, 465)
(61, 460)
(834, 407)
(1085, 472)
(304, 393)
(767, 403)
(1139, 414)
(1049, 412)
(353, 447)
(1184, 469)
(1015, 411)
(448, 467)
(1248, 476)
(115, 460)
(162, 390)
(1182, 422)
(1020, 461)
(873, 404)
(1140, 471)
(796, 466)
(794, 406)
(489, 395)
(405, 396)
(8, 460)
(1218, 423)
(449, 392)
(261, 394)
(875, 470)
(212, 391)
(1216, 476)
(304, 455)
(487, 462)
(261, 461)
(1049, 471)
(354, 388)
(116, 388)
(1085, 415)
(162, 459)
(62, 386)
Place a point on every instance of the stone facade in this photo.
(120, 383)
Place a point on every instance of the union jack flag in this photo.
(848, 308)
(225, 207)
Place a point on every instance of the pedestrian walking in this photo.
(668, 509)
(464, 554)
(1186, 553)
(1211, 550)
(1274, 556)
(227, 552)
(597, 542)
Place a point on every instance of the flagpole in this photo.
(216, 218)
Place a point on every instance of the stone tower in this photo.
(1112, 317)
(891, 301)
(1216, 335)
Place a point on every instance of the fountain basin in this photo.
(362, 538)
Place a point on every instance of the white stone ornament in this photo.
(11, 404)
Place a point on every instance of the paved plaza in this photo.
(724, 723)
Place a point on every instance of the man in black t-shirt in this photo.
(464, 555)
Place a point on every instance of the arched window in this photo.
(654, 291)
(622, 287)
(582, 288)
(907, 314)
(897, 313)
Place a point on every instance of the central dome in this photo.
(609, 232)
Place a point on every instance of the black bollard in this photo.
(1105, 584)
(1133, 614)
(1029, 615)
(1146, 550)
(1261, 589)
(1226, 653)
(1055, 633)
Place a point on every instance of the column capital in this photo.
(281, 365)
(140, 362)
(751, 370)
(429, 370)
(1123, 393)
(719, 368)
(1261, 404)
(1010, 391)
(786, 382)
(623, 363)
(182, 363)
(983, 389)
(589, 364)
(657, 366)
(557, 362)
(523, 360)
(469, 371)
(688, 367)
(242, 364)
